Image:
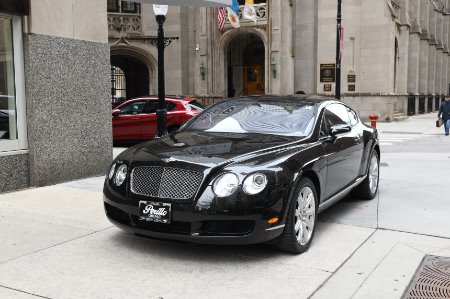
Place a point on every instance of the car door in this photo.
(126, 123)
(340, 150)
(175, 113)
(148, 122)
(358, 136)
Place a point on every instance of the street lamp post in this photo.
(338, 51)
(160, 13)
(161, 112)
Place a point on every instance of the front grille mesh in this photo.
(165, 182)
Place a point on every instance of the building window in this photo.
(123, 6)
(113, 6)
(12, 87)
(130, 7)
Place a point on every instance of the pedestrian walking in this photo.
(444, 110)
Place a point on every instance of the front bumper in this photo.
(191, 226)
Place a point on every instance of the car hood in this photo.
(206, 149)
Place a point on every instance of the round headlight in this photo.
(121, 175)
(254, 183)
(225, 184)
(111, 171)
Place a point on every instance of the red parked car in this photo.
(135, 120)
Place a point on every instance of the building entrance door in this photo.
(246, 65)
(132, 80)
(253, 80)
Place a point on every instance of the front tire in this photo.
(369, 187)
(301, 219)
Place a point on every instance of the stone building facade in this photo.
(395, 58)
(55, 110)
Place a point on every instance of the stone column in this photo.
(414, 48)
(201, 38)
(65, 65)
(286, 69)
(445, 39)
(275, 56)
(305, 72)
(439, 53)
(424, 48)
(447, 83)
(446, 61)
(432, 52)
(403, 49)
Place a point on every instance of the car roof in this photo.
(174, 99)
(315, 99)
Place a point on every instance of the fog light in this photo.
(272, 220)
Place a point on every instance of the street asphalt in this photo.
(57, 242)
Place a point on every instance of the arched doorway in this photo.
(246, 70)
(130, 76)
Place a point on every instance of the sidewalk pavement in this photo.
(57, 243)
(417, 124)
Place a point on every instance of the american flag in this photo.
(221, 15)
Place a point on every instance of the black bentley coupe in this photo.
(246, 170)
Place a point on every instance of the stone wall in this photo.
(68, 108)
(381, 105)
(14, 172)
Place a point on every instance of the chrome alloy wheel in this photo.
(305, 212)
(373, 174)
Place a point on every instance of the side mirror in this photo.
(339, 129)
(116, 112)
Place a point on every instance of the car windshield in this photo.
(289, 117)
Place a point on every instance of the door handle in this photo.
(135, 118)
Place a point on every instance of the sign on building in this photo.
(328, 72)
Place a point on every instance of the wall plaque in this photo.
(351, 78)
(351, 87)
(328, 72)
(327, 87)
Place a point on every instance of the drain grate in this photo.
(431, 280)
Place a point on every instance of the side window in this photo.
(336, 114)
(324, 132)
(170, 106)
(13, 124)
(354, 119)
(151, 107)
(132, 108)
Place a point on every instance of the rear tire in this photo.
(369, 187)
(301, 219)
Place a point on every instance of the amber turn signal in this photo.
(272, 220)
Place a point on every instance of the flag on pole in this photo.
(249, 10)
(221, 15)
(233, 17)
(235, 6)
(341, 42)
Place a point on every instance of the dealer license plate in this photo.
(154, 211)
